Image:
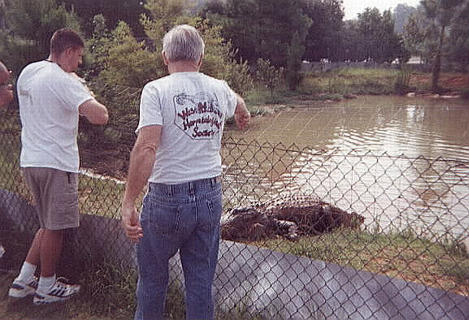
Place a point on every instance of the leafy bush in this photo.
(269, 75)
(31, 24)
(401, 85)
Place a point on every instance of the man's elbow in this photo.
(103, 119)
(100, 118)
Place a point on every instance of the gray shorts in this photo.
(56, 195)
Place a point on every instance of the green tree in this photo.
(428, 30)
(352, 42)
(269, 75)
(401, 15)
(442, 13)
(324, 34)
(128, 63)
(261, 28)
(124, 64)
(459, 40)
(112, 10)
(219, 58)
(295, 52)
(30, 25)
(380, 42)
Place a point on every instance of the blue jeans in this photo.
(184, 217)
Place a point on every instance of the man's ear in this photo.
(68, 51)
(165, 60)
(199, 64)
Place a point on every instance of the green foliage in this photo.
(238, 77)
(336, 85)
(428, 30)
(259, 29)
(348, 81)
(112, 11)
(459, 40)
(163, 15)
(295, 52)
(324, 35)
(31, 24)
(401, 86)
(110, 288)
(269, 75)
(128, 63)
(219, 58)
(377, 35)
(120, 65)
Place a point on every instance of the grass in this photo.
(333, 85)
(107, 292)
(402, 255)
(341, 83)
(175, 307)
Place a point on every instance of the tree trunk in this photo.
(437, 62)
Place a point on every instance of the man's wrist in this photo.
(128, 203)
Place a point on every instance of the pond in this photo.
(401, 162)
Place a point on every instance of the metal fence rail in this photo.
(391, 220)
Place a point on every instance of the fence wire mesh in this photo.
(400, 217)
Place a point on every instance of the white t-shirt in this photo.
(49, 99)
(191, 107)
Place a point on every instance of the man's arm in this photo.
(242, 114)
(6, 89)
(6, 94)
(142, 159)
(95, 112)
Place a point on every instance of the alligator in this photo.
(290, 217)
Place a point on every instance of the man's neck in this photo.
(54, 58)
(183, 66)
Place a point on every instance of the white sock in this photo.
(45, 283)
(27, 272)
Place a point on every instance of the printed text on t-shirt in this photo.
(199, 116)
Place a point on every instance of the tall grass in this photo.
(331, 85)
(403, 254)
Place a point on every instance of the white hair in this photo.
(183, 43)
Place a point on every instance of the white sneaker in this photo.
(60, 291)
(20, 289)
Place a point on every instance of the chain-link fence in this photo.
(307, 235)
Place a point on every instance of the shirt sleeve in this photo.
(231, 100)
(150, 108)
(71, 92)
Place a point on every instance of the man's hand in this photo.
(242, 115)
(131, 223)
(6, 94)
(6, 89)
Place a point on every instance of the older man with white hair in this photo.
(177, 151)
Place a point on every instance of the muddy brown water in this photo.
(345, 166)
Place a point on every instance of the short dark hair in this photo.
(63, 39)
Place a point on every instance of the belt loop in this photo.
(191, 188)
(170, 190)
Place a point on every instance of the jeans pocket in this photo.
(164, 219)
(214, 206)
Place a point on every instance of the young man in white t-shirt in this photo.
(51, 98)
(178, 152)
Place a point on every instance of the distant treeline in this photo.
(282, 32)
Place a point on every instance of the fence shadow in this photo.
(405, 261)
